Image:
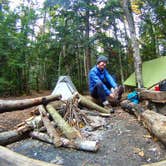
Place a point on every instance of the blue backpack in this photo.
(133, 97)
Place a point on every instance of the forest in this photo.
(39, 43)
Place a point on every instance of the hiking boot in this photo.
(120, 92)
(107, 106)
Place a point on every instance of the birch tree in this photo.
(134, 42)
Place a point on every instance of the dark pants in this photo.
(99, 93)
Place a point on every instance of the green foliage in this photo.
(33, 60)
(152, 29)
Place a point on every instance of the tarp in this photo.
(153, 72)
(65, 87)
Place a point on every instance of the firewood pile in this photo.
(55, 121)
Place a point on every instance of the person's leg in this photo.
(108, 85)
(118, 92)
(99, 92)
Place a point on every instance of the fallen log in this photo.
(78, 144)
(50, 127)
(41, 136)
(153, 121)
(9, 157)
(132, 108)
(8, 137)
(12, 105)
(95, 113)
(160, 163)
(90, 104)
(67, 130)
(93, 99)
(58, 104)
(21, 132)
(152, 95)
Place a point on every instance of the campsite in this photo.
(118, 139)
(82, 83)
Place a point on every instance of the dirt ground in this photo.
(123, 142)
(9, 120)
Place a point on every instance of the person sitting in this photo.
(102, 86)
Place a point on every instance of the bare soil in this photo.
(123, 142)
(9, 120)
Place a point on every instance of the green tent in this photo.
(154, 71)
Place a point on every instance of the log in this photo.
(132, 108)
(8, 158)
(86, 145)
(160, 163)
(50, 127)
(58, 104)
(8, 137)
(95, 113)
(79, 144)
(153, 95)
(91, 105)
(153, 121)
(93, 99)
(12, 105)
(30, 124)
(67, 130)
(24, 128)
(41, 136)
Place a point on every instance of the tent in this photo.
(65, 87)
(153, 72)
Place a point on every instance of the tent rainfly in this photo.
(65, 87)
(153, 72)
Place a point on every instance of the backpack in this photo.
(133, 97)
(162, 85)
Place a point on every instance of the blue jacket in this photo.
(100, 76)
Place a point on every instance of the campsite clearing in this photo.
(123, 141)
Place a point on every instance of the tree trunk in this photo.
(67, 130)
(87, 49)
(89, 104)
(153, 121)
(50, 127)
(128, 50)
(79, 144)
(12, 105)
(119, 53)
(135, 44)
(9, 157)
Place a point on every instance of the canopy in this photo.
(153, 72)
